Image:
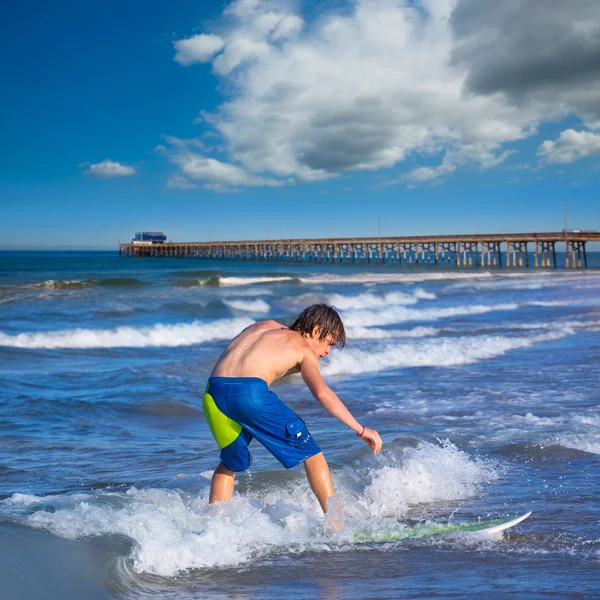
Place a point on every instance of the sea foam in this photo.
(400, 314)
(376, 278)
(236, 281)
(586, 442)
(253, 306)
(369, 300)
(438, 352)
(374, 333)
(429, 473)
(180, 334)
(175, 531)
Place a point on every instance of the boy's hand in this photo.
(371, 437)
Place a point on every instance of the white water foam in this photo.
(57, 284)
(531, 281)
(174, 531)
(374, 333)
(586, 442)
(438, 352)
(429, 473)
(586, 419)
(253, 306)
(400, 314)
(580, 423)
(374, 278)
(235, 281)
(369, 300)
(23, 499)
(181, 334)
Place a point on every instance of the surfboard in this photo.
(429, 529)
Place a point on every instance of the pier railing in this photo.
(485, 250)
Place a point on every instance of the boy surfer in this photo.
(239, 405)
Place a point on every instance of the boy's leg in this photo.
(319, 478)
(221, 485)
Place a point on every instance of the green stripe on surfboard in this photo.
(421, 531)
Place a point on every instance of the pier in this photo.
(512, 250)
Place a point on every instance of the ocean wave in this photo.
(370, 300)
(239, 281)
(59, 284)
(188, 282)
(180, 334)
(375, 278)
(174, 531)
(399, 314)
(585, 442)
(429, 473)
(195, 273)
(374, 333)
(76, 284)
(531, 281)
(438, 352)
(533, 451)
(390, 315)
(253, 306)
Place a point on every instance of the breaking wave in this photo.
(180, 334)
(430, 473)
(586, 442)
(374, 333)
(174, 531)
(399, 314)
(58, 284)
(374, 278)
(239, 281)
(438, 352)
(253, 306)
(367, 300)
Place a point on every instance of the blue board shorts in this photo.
(239, 409)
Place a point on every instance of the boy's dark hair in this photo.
(326, 317)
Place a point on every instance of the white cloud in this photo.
(108, 168)
(429, 173)
(198, 48)
(212, 174)
(544, 55)
(178, 182)
(365, 87)
(238, 51)
(570, 146)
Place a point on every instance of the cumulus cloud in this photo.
(367, 86)
(570, 146)
(429, 173)
(178, 182)
(197, 169)
(198, 48)
(108, 168)
(544, 54)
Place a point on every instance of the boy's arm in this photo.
(328, 399)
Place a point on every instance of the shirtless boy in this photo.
(239, 406)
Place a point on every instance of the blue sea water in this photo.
(482, 383)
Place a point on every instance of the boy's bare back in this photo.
(266, 349)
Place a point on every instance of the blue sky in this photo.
(261, 118)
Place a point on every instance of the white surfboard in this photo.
(506, 525)
(429, 529)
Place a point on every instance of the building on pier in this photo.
(147, 238)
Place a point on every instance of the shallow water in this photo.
(482, 384)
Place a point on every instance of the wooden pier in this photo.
(518, 250)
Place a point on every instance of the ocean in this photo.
(482, 383)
